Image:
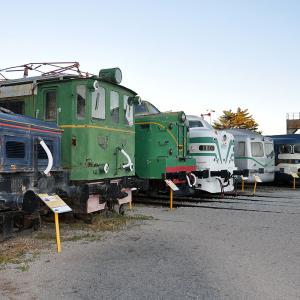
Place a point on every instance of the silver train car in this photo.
(255, 153)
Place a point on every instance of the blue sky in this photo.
(180, 55)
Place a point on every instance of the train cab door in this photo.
(47, 107)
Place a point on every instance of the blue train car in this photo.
(287, 156)
(29, 164)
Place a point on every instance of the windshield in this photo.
(297, 148)
(257, 149)
(285, 148)
(195, 123)
(145, 108)
(269, 149)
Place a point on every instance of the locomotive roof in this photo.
(56, 77)
(24, 120)
(285, 138)
(243, 132)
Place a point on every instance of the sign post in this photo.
(57, 232)
(58, 206)
(256, 180)
(173, 187)
(294, 175)
(243, 184)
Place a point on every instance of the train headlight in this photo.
(113, 75)
(183, 117)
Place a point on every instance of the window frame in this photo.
(117, 107)
(79, 117)
(95, 92)
(45, 104)
(263, 149)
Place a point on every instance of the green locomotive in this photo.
(161, 148)
(96, 115)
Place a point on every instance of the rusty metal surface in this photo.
(17, 90)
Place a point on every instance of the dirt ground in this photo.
(246, 248)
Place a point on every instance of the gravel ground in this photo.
(212, 252)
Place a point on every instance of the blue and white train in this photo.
(287, 156)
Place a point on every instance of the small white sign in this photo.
(172, 185)
(55, 203)
(257, 178)
(294, 175)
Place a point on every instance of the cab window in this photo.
(128, 112)
(269, 149)
(241, 149)
(257, 149)
(193, 124)
(50, 99)
(81, 101)
(15, 106)
(98, 104)
(114, 106)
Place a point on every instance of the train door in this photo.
(47, 104)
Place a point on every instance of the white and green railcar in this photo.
(214, 154)
(254, 153)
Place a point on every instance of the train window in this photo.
(285, 149)
(114, 106)
(50, 113)
(81, 101)
(269, 149)
(297, 148)
(241, 149)
(152, 110)
(140, 109)
(194, 123)
(257, 149)
(15, 106)
(128, 112)
(98, 103)
(15, 149)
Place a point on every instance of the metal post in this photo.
(130, 205)
(243, 184)
(171, 199)
(254, 190)
(57, 232)
(294, 183)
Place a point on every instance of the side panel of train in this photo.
(98, 134)
(214, 154)
(287, 156)
(24, 165)
(255, 153)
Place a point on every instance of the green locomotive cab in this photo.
(96, 115)
(162, 147)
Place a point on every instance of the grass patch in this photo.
(21, 250)
(13, 251)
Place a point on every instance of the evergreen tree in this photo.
(239, 119)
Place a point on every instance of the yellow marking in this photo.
(57, 232)
(162, 126)
(98, 127)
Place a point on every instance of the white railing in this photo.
(293, 116)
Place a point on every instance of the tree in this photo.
(239, 119)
